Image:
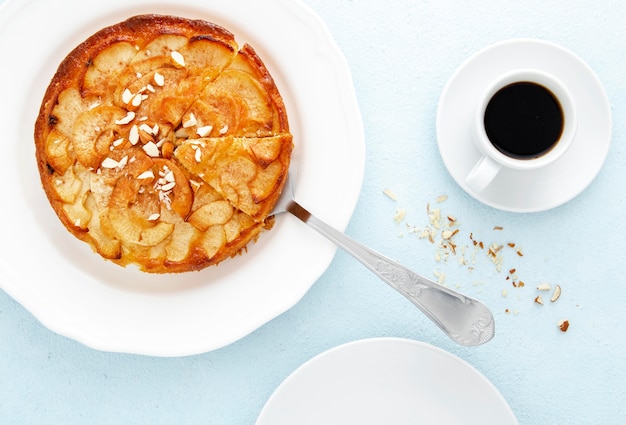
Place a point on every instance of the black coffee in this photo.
(523, 120)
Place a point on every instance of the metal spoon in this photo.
(465, 320)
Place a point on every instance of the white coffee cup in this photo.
(493, 160)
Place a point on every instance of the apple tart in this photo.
(163, 143)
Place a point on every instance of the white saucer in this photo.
(521, 191)
(386, 381)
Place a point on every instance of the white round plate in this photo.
(73, 291)
(386, 381)
(514, 190)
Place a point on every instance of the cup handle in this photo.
(482, 174)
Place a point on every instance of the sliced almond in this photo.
(556, 294)
(204, 131)
(146, 175)
(544, 287)
(190, 122)
(178, 58)
(167, 149)
(151, 149)
(127, 119)
(127, 96)
(133, 136)
(109, 163)
(159, 79)
(145, 137)
(390, 194)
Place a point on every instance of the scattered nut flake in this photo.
(152, 149)
(146, 175)
(178, 58)
(133, 136)
(441, 277)
(441, 198)
(181, 133)
(191, 121)
(154, 217)
(169, 176)
(168, 186)
(136, 100)
(127, 96)
(94, 105)
(390, 194)
(544, 287)
(122, 162)
(127, 119)
(224, 129)
(441, 228)
(118, 142)
(198, 155)
(204, 131)
(556, 294)
(159, 79)
(145, 127)
(564, 325)
(399, 215)
(150, 88)
(109, 163)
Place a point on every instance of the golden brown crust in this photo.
(118, 140)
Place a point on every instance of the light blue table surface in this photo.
(401, 54)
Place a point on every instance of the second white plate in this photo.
(386, 381)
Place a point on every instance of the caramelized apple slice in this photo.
(93, 133)
(244, 108)
(131, 215)
(161, 46)
(207, 57)
(104, 68)
(70, 104)
(104, 244)
(180, 243)
(77, 214)
(67, 186)
(212, 240)
(60, 156)
(211, 214)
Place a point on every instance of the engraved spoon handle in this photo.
(465, 320)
